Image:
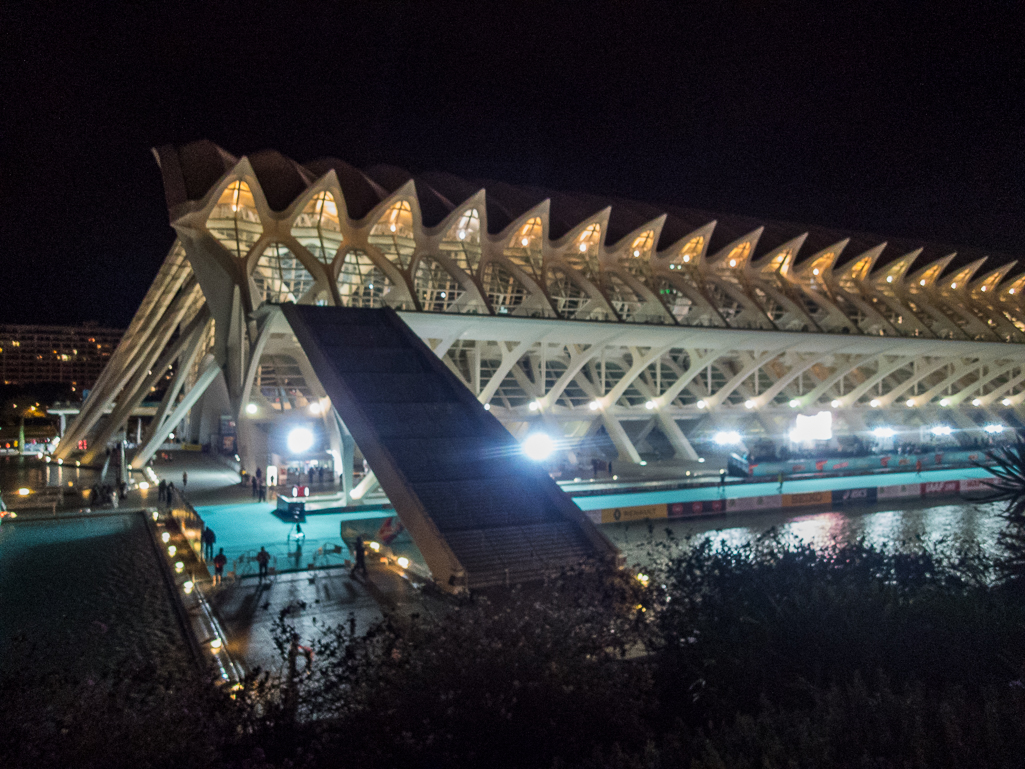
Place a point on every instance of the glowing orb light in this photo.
(538, 446)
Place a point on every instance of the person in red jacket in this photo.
(219, 560)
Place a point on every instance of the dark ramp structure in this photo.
(481, 513)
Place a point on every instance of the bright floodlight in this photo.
(649, 405)
(727, 437)
(976, 401)
(538, 446)
(794, 403)
(835, 404)
(994, 428)
(883, 432)
(910, 403)
(944, 402)
(749, 404)
(300, 440)
(874, 403)
(818, 427)
(251, 408)
(594, 405)
(1006, 401)
(941, 430)
(315, 408)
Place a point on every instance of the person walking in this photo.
(256, 487)
(219, 560)
(162, 490)
(361, 558)
(263, 493)
(320, 474)
(780, 479)
(185, 480)
(262, 559)
(918, 466)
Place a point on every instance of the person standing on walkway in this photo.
(185, 480)
(780, 479)
(209, 539)
(918, 466)
(263, 493)
(219, 562)
(256, 487)
(263, 558)
(162, 490)
(361, 558)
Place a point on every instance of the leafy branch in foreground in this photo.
(1008, 486)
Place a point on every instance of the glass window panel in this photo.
(393, 234)
(234, 220)
(318, 229)
(361, 283)
(280, 276)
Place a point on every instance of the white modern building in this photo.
(624, 329)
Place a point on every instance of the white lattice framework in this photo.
(586, 336)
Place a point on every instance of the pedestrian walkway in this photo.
(249, 608)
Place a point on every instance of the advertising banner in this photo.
(897, 492)
(639, 513)
(804, 500)
(698, 507)
(854, 496)
(940, 487)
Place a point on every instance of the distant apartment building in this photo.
(74, 355)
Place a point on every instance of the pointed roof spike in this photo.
(751, 238)
(959, 280)
(781, 258)
(860, 266)
(927, 276)
(987, 284)
(625, 242)
(823, 262)
(672, 253)
(895, 271)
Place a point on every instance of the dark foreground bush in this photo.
(770, 655)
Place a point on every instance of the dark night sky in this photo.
(904, 119)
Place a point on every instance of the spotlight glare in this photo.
(538, 446)
(835, 403)
(534, 406)
(883, 432)
(941, 430)
(910, 403)
(874, 403)
(300, 440)
(649, 405)
(944, 402)
(993, 429)
(701, 404)
(749, 404)
(727, 437)
(251, 408)
(487, 407)
(794, 403)
(976, 402)
(1006, 401)
(594, 405)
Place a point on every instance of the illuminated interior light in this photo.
(983, 288)
(686, 258)
(727, 438)
(941, 430)
(392, 227)
(215, 644)
(835, 403)
(23, 492)
(300, 440)
(1005, 401)
(165, 537)
(251, 408)
(993, 429)
(594, 405)
(818, 427)
(636, 252)
(701, 404)
(314, 408)
(794, 403)
(583, 247)
(1010, 291)
(883, 432)
(538, 446)
(403, 562)
(649, 405)
(143, 485)
(874, 403)
(733, 262)
(461, 234)
(749, 404)
(487, 407)
(944, 402)
(889, 279)
(921, 282)
(910, 403)
(815, 271)
(171, 550)
(534, 406)
(179, 567)
(953, 285)
(976, 402)
(525, 241)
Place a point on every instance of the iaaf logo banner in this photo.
(849, 496)
(941, 487)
